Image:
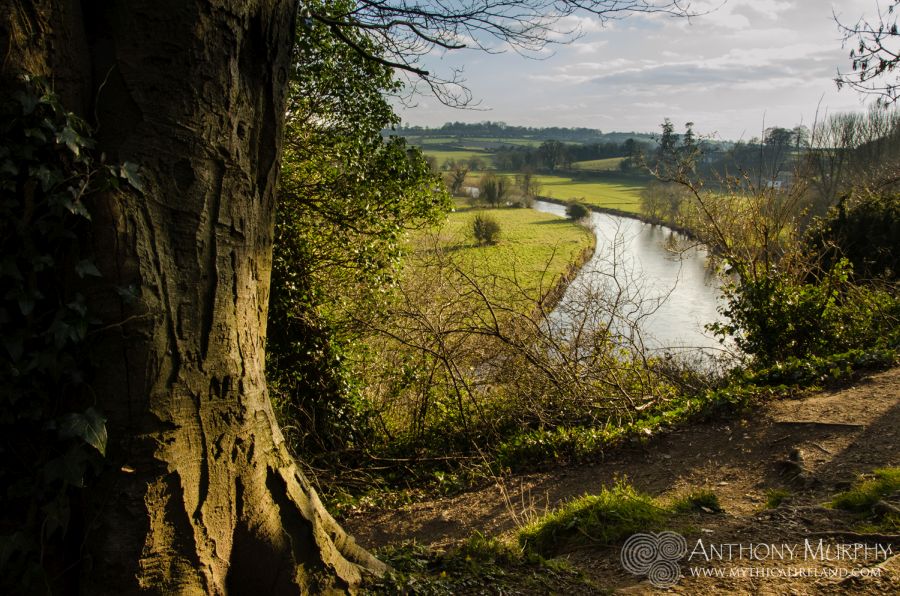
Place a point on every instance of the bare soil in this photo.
(813, 447)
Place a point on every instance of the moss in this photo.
(703, 500)
(868, 491)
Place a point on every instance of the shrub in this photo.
(486, 229)
(864, 231)
(775, 317)
(776, 496)
(576, 211)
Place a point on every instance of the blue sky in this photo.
(747, 65)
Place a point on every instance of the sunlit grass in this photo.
(610, 164)
(616, 193)
(534, 248)
(605, 518)
(865, 493)
(463, 155)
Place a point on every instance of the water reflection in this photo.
(654, 275)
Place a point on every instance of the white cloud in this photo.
(723, 70)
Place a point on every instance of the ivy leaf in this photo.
(90, 426)
(8, 167)
(29, 102)
(15, 346)
(86, 267)
(130, 172)
(70, 139)
(44, 176)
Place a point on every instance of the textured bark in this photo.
(202, 496)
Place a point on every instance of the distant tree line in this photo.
(553, 155)
(501, 130)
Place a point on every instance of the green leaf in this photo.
(29, 102)
(131, 173)
(70, 139)
(86, 267)
(8, 167)
(90, 426)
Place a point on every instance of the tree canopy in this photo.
(347, 197)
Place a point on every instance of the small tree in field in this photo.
(486, 229)
(494, 189)
(576, 211)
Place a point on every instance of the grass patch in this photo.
(776, 496)
(868, 491)
(699, 501)
(604, 518)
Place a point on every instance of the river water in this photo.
(656, 278)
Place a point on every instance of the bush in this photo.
(775, 318)
(865, 232)
(486, 229)
(576, 211)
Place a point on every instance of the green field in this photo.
(623, 193)
(459, 155)
(610, 164)
(530, 244)
(611, 191)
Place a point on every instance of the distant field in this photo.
(530, 242)
(614, 192)
(610, 164)
(461, 155)
(611, 191)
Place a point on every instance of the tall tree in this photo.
(198, 493)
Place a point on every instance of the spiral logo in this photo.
(656, 556)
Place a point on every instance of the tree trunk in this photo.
(201, 495)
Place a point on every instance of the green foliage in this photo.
(348, 197)
(702, 500)
(576, 211)
(494, 189)
(604, 518)
(775, 318)
(868, 491)
(52, 438)
(865, 231)
(486, 229)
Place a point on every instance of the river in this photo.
(662, 285)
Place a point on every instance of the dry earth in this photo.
(828, 439)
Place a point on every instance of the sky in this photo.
(745, 66)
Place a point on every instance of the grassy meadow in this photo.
(615, 192)
(610, 164)
(535, 248)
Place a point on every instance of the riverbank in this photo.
(654, 221)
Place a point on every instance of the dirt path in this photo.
(830, 438)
